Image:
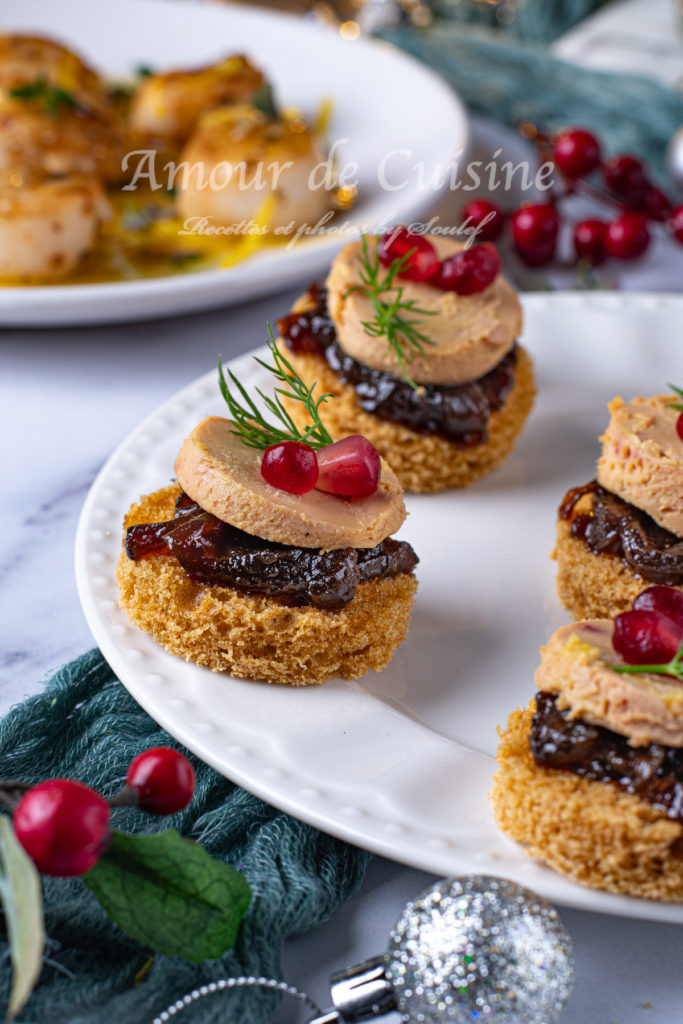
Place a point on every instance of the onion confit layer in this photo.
(614, 527)
(211, 551)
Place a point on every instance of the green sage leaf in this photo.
(169, 893)
(22, 901)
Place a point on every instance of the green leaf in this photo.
(22, 902)
(169, 893)
(264, 100)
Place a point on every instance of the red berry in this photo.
(676, 223)
(488, 218)
(290, 466)
(665, 600)
(656, 204)
(627, 237)
(63, 826)
(644, 637)
(589, 240)
(469, 271)
(162, 779)
(576, 153)
(679, 426)
(350, 467)
(534, 231)
(625, 176)
(420, 265)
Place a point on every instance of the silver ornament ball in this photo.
(480, 949)
(674, 159)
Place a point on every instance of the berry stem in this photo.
(125, 797)
(11, 792)
(673, 668)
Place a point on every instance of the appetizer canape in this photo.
(277, 564)
(624, 530)
(417, 338)
(591, 774)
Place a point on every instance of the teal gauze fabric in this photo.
(86, 726)
(512, 81)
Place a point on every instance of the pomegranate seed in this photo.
(350, 468)
(576, 153)
(162, 779)
(656, 204)
(534, 231)
(398, 243)
(627, 237)
(679, 426)
(589, 240)
(644, 637)
(486, 217)
(676, 223)
(625, 176)
(63, 826)
(290, 466)
(469, 271)
(665, 600)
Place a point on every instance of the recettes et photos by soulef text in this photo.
(98, 179)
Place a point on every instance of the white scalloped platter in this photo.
(401, 762)
(373, 88)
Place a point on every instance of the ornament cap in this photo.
(361, 993)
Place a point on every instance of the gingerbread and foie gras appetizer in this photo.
(416, 336)
(590, 775)
(623, 531)
(272, 557)
(68, 149)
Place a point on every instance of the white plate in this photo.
(400, 762)
(384, 101)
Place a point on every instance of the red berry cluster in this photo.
(349, 468)
(64, 825)
(576, 153)
(465, 273)
(651, 633)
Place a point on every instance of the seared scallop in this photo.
(27, 61)
(36, 141)
(238, 158)
(168, 106)
(46, 228)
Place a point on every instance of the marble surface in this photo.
(68, 397)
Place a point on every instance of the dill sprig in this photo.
(250, 424)
(677, 391)
(396, 318)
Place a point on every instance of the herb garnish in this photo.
(673, 668)
(678, 391)
(395, 317)
(264, 101)
(53, 98)
(249, 422)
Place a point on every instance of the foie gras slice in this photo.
(223, 475)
